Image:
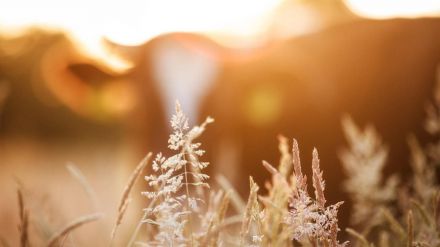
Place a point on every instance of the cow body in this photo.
(378, 72)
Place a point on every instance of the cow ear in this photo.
(81, 81)
(130, 54)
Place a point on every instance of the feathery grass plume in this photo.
(423, 224)
(286, 162)
(363, 163)
(236, 200)
(212, 220)
(421, 197)
(309, 218)
(171, 181)
(218, 220)
(144, 217)
(23, 227)
(56, 237)
(276, 233)
(251, 228)
(425, 188)
(301, 180)
(318, 182)
(125, 199)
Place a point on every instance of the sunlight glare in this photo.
(133, 22)
(390, 9)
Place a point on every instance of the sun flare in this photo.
(133, 22)
(392, 9)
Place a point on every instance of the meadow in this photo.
(183, 206)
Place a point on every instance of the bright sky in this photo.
(132, 22)
(382, 9)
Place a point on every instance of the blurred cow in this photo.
(379, 72)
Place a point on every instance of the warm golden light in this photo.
(389, 9)
(133, 22)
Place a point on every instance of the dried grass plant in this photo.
(363, 163)
(182, 210)
(179, 214)
(172, 184)
(285, 215)
(414, 220)
(23, 227)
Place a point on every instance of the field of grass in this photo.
(181, 206)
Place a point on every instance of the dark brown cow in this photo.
(379, 72)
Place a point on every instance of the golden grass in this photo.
(125, 200)
(60, 234)
(287, 215)
(23, 227)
